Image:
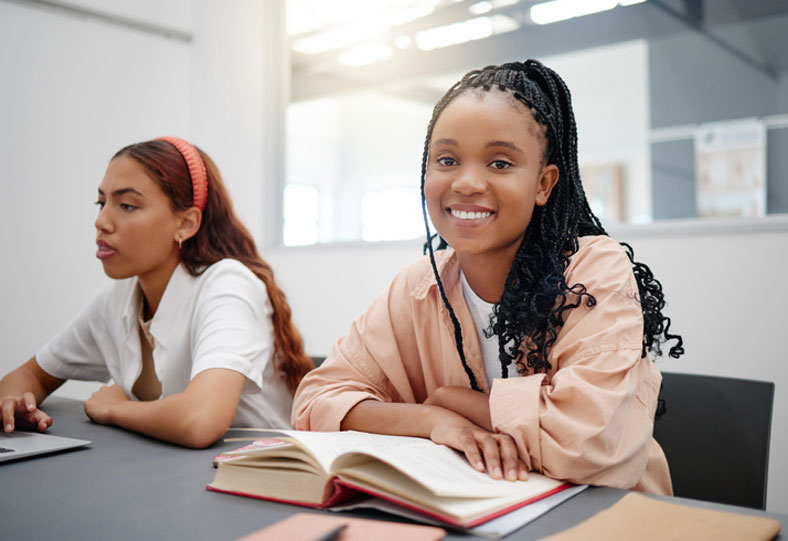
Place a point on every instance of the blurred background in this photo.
(315, 112)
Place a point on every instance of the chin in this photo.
(115, 273)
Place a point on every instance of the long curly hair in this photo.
(222, 235)
(536, 296)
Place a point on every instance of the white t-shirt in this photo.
(481, 311)
(220, 319)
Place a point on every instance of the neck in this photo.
(486, 274)
(153, 285)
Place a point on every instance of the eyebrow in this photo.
(506, 144)
(122, 191)
(445, 141)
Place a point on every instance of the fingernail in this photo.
(512, 475)
(497, 472)
(8, 428)
(480, 466)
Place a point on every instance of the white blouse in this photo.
(220, 319)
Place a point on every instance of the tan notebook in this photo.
(636, 516)
(311, 526)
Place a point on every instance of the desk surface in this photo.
(127, 486)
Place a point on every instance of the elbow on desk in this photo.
(199, 432)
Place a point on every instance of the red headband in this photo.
(196, 169)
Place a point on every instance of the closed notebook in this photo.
(640, 517)
(311, 526)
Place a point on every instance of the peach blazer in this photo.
(589, 420)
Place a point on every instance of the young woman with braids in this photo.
(525, 344)
(193, 330)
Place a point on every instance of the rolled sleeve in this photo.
(367, 364)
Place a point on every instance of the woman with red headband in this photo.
(193, 330)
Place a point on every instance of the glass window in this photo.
(681, 105)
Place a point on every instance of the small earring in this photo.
(180, 243)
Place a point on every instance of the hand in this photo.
(496, 452)
(22, 412)
(98, 406)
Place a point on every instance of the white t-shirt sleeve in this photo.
(232, 326)
(75, 352)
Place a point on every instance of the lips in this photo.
(104, 251)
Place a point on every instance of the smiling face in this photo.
(485, 173)
(136, 228)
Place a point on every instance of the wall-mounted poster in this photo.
(730, 168)
(604, 187)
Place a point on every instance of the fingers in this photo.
(39, 420)
(470, 448)
(28, 401)
(7, 408)
(502, 458)
(492, 457)
(509, 457)
(23, 409)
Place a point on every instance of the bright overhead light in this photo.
(336, 39)
(561, 10)
(630, 2)
(480, 7)
(364, 27)
(365, 54)
(402, 42)
(470, 30)
(486, 6)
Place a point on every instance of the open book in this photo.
(323, 469)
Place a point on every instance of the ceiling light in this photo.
(470, 30)
(561, 10)
(402, 42)
(480, 7)
(365, 54)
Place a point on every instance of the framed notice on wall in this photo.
(730, 168)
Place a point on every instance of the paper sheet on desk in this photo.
(493, 529)
(640, 517)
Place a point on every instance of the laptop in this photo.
(24, 444)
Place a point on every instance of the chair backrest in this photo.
(715, 434)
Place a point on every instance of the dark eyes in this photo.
(124, 206)
(496, 164)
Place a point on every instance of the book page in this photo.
(441, 470)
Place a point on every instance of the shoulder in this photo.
(229, 273)
(417, 278)
(230, 280)
(600, 263)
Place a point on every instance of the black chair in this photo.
(715, 434)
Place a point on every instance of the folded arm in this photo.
(196, 417)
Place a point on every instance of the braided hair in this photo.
(536, 295)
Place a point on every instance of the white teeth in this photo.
(462, 215)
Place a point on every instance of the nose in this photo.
(469, 181)
(104, 220)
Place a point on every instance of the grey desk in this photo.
(127, 486)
